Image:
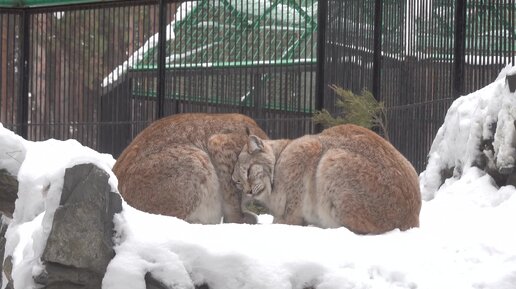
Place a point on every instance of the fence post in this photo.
(161, 58)
(320, 81)
(377, 43)
(23, 100)
(459, 48)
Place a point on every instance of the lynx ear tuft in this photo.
(254, 144)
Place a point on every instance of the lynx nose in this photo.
(237, 183)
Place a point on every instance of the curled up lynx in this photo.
(181, 166)
(345, 176)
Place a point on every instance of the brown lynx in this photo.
(181, 166)
(345, 176)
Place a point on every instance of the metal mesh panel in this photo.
(253, 57)
(71, 50)
(416, 83)
(349, 47)
(10, 70)
(92, 70)
(418, 59)
(490, 40)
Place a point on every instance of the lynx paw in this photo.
(250, 218)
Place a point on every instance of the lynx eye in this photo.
(248, 172)
(237, 182)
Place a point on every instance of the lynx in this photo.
(181, 166)
(345, 176)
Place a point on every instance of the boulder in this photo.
(7, 265)
(8, 192)
(152, 283)
(80, 244)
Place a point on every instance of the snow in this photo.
(469, 120)
(59, 15)
(466, 238)
(12, 151)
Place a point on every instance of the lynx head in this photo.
(254, 170)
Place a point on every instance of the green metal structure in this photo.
(241, 34)
(259, 36)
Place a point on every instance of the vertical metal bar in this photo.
(320, 81)
(3, 78)
(39, 100)
(11, 59)
(377, 44)
(459, 49)
(481, 44)
(511, 40)
(161, 58)
(23, 102)
(178, 81)
(3, 113)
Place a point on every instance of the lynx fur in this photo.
(181, 166)
(345, 176)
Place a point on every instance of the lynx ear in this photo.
(254, 144)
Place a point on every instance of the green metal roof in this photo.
(236, 34)
(231, 33)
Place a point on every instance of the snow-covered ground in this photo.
(467, 237)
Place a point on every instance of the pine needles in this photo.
(363, 110)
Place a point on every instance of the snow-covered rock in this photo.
(478, 131)
(40, 172)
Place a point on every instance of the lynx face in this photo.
(253, 173)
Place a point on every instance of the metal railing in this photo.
(101, 71)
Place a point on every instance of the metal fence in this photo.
(100, 72)
(417, 57)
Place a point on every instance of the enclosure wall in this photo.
(101, 72)
(428, 57)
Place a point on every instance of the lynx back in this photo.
(181, 166)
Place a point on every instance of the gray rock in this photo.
(80, 245)
(7, 271)
(511, 180)
(8, 192)
(511, 82)
(57, 276)
(152, 283)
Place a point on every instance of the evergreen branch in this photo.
(363, 110)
